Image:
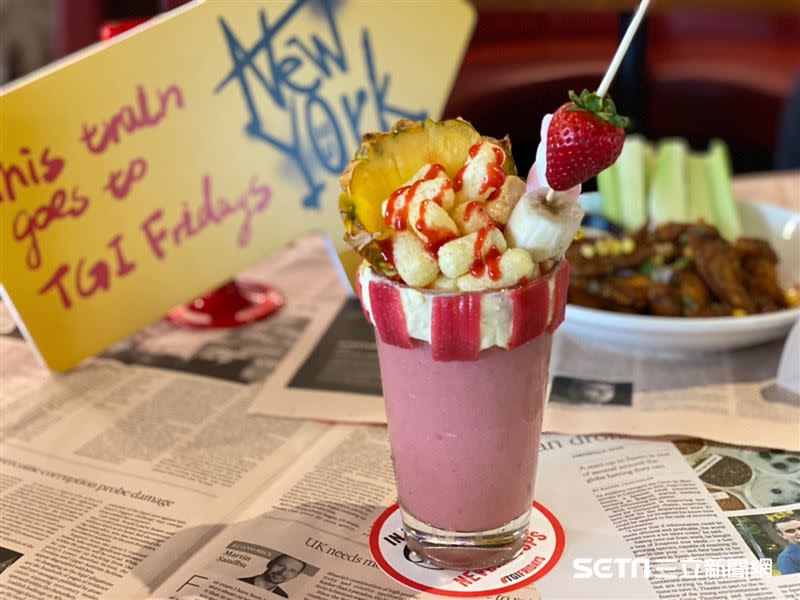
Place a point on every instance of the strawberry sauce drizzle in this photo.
(397, 216)
(491, 260)
(458, 180)
(472, 207)
(494, 177)
(435, 237)
(387, 250)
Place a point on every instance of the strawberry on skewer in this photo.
(585, 136)
(582, 138)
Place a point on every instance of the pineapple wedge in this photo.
(384, 162)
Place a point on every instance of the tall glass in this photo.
(465, 423)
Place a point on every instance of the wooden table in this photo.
(779, 187)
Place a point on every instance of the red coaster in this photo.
(542, 551)
(234, 304)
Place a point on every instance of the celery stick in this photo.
(726, 214)
(649, 163)
(608, 187)
(699, 189)
(667, 198)
(632, 185)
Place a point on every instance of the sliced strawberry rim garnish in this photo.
(388, 314)
(531, 307)
(456, 327)
(560, 296)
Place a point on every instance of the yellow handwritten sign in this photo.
(143, 172)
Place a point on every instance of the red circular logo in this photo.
(543, 549)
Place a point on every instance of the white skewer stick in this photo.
(615, 62)
(623, 48)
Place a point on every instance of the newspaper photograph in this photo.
(332, 374)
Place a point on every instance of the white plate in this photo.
(778, 226)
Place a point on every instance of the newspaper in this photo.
(332, 373)
(133, 482)
(134, 476)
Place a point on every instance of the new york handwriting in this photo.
(282, 82)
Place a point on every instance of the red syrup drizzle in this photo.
(387, 250)
(397, 216)
(472, 207)
(494, 177)
(436, 236)
(490, 261)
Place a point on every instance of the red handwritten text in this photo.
(121, 181)
(88, 283)
(131, 118)
(46, 169)
(211, 211)
(27, 225)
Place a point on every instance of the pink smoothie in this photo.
(465, 434)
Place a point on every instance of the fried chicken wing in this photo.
(676, 269)
(694, 295)
(719, 267)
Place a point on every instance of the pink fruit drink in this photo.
(464, 435)
(465, 422)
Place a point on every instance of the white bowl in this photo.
(780, 227)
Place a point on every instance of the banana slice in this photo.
(543, 229)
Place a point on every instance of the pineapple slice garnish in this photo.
(384, 162)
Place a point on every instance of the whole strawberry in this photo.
(584, 137)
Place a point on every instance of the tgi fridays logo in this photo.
(542, 550)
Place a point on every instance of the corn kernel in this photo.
(739, 312)
(601, 246)
(792, 298)
(628, 245)
(615, 247)
(587, 251)
(579, 235)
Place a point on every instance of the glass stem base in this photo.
(466, 550)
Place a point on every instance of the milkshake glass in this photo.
(464, 409)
